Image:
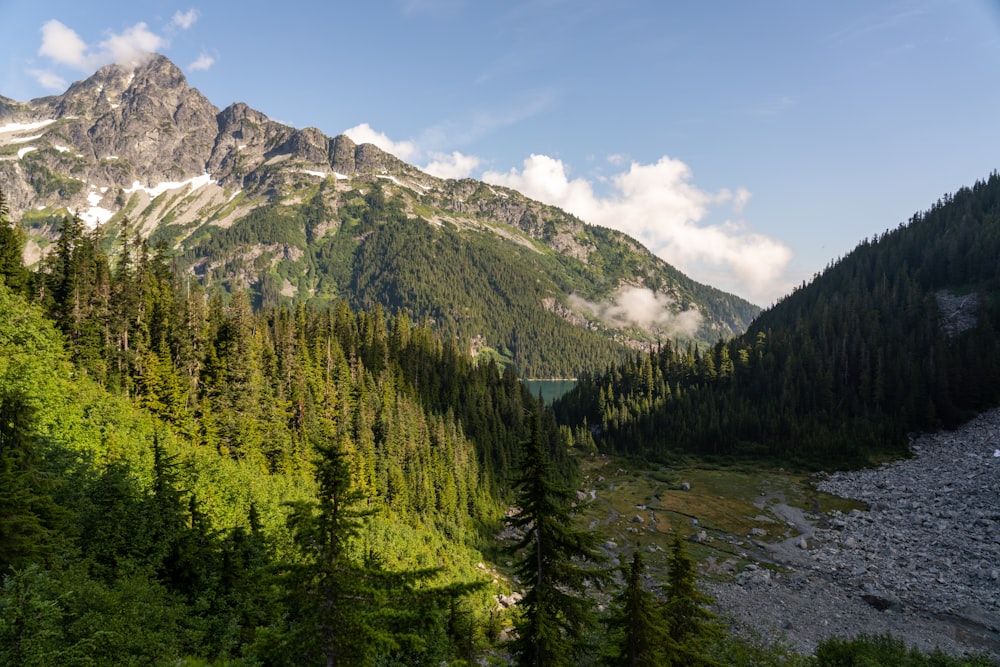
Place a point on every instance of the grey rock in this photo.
(919, 563)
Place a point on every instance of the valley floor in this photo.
(922, 562)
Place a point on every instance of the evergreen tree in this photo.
(332, 597)
(12, 270)
(638, 629)
(691, 626)
(29, 352)
(28, 515)
(557, 563)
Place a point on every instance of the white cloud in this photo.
(654, 203)
(48, 79)
(632, 306)
(364, 134)
(740, 200)
(658, 205)
(203, 62)
(130, 47)
(451, 165)
(64, 46)
(185, 20)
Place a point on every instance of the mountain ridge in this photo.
(140, 143)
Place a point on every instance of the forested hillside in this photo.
(900, 335)
(475, 289)
(169, 463)
(187, 480)
(289, 215)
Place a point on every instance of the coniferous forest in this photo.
(899, 336)
(188, 476)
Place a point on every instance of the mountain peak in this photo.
(143, 63)
(136, 140)
(152, 76)
(159, 70)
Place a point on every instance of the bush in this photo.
(866, 651)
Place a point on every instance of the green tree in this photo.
(29, 353)
(28, 514)
(557, 562)
(886, 650)
(332, 597)
(691, 626)
(638, 630)
(12, 270)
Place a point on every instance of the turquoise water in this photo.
(550, 389)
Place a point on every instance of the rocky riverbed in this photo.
(922, 562)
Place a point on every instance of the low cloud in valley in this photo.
(632, 306)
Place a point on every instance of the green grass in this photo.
(726, 502)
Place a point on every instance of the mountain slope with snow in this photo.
(249, 202)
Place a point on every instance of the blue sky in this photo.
(747, 143)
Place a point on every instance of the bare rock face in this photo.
(137, 140)
(958, 312)
(146, 117)
(141, 124)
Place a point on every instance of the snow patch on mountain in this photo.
(95, 215)
(25, 127)
(24, 140)
(158, 189)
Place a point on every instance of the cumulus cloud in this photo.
(739, 200)
(632, 306)
(64, 47)
(47, 79)
(442, 165)
(364, 134)
(203, 62)
(660, 206)
(132, 46)
(185, 20)
(451, 165)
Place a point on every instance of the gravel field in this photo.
(923, 562)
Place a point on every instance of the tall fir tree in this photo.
(691, 626)
(637, 628)
(12, 269)
(332, 597)
(557, 562)
(29, 519)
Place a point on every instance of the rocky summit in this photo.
(250, 203)
(124, 136)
